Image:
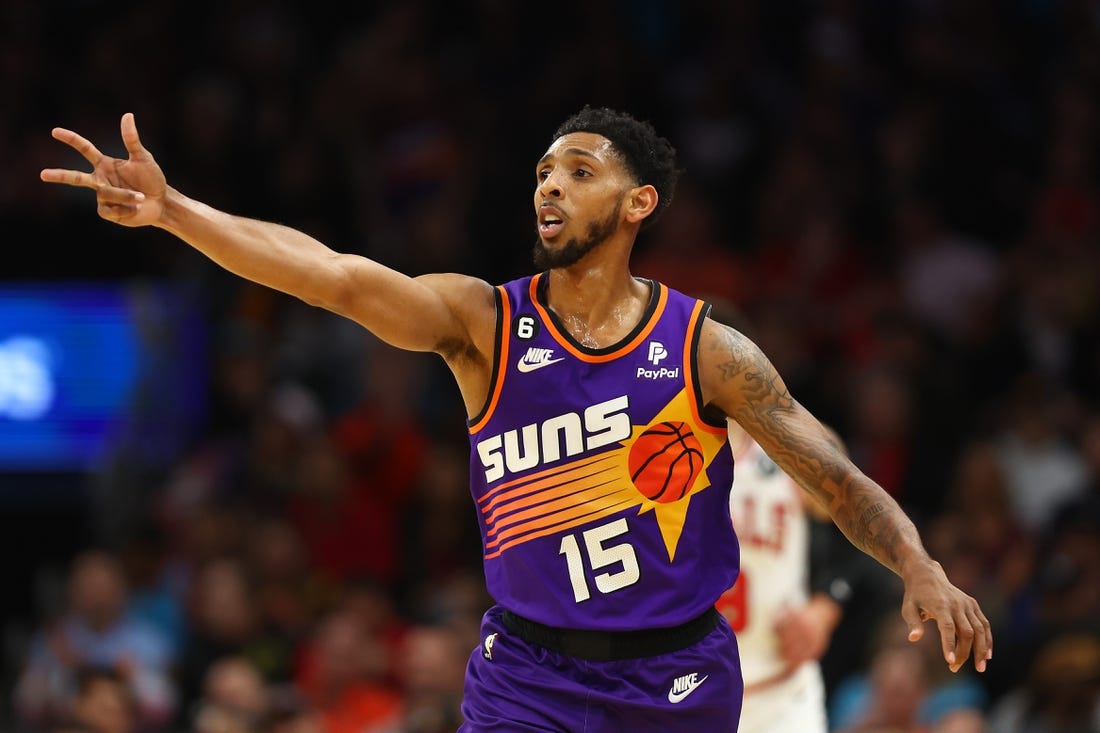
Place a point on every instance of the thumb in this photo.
(130, 136)
(913, 620)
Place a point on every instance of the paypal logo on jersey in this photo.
(656, 354)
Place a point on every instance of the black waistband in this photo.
(606, 646)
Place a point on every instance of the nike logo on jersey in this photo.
(684, 686)
(537, 358)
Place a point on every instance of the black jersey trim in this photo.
(542, 284)
(610, 646)
(498, 346)
(696, 385)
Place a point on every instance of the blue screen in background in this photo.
(91, 370)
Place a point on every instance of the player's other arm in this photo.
(739, 380)
(420, 314)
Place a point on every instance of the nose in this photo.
(550, 188)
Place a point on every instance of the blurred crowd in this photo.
(902, 198)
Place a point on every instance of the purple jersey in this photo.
(601, 491)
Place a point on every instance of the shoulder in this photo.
(472, 298)
(732, 368)
(458, 286)
(727, 352)
(471, 303)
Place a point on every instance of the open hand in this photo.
(963, 627)
(128, 192)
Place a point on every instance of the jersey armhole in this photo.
(500, 358)
(691, 363)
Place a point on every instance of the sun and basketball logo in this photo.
(665, 460)
(658, 468)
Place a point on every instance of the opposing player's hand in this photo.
(964, 629)
(128, 192)
(803, 632)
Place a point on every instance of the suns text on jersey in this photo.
(562, 436)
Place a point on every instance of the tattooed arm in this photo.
(738, 379)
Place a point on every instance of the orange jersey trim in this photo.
(690, 365)
(502, 360)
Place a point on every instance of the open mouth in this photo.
(550, 222)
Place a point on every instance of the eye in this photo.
(543, 174)
(582, 173)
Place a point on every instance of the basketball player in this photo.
(782, 628)
(599, 464)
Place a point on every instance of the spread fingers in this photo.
(79, 143)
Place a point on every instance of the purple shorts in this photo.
(513, 685)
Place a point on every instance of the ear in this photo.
(640, 203)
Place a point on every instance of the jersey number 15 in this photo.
(600, 556)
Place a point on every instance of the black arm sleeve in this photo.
(865, 590)
(832, 562)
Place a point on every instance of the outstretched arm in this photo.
(739, 380)
(443, 313)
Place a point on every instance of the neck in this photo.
(598, 308)
(599, 279)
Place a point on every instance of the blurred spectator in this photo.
(686, 251)
(458, 603)
(277, 436)
(438, 527)
(251, 461)
(1061, 596)
(812, 262)
(95, 630)
(154, 592)
(375, 608)
(906, 689)
(234, 699)
(104, 703)
(961, 721)
(943, 275)
(1041, 465)
(430, 669)
(289, 712)
(977, 536)
(1054, 300)
(348, 530)
(1067, 204)
(880, 431)
(223, 622)
(1070, 574)
(287, 592)
(355, 482)
(1060, 693)
(344, 675)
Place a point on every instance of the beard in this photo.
(571, 253)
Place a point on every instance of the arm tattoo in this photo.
(862, 509)
(870, 513)
(748, 363)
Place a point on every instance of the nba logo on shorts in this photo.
(488, 646)
(657, 352)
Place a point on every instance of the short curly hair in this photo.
(649, 158)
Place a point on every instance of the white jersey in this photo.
(773, 530)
